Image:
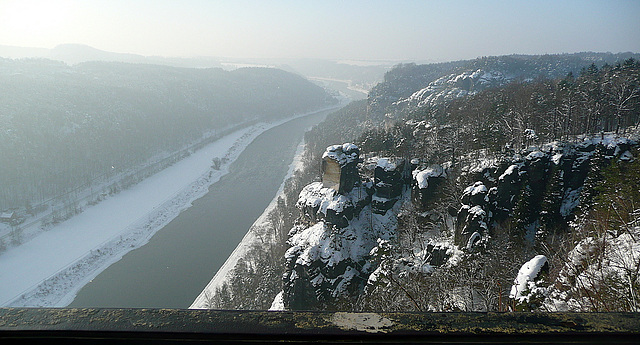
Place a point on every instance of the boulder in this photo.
(426, 182)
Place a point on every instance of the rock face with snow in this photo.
(455, 85)
(329, 251)
(388, 180)
(340, 196)
(331, 259)
(319, 203)
(426, 182)
(537, 187)
(473, 217)
(339, 167)
(329, 255)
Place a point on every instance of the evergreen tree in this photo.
(551, 221)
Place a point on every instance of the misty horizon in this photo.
(354, 30)
(20, 53)
(27, 51)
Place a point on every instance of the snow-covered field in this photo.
(50, 268)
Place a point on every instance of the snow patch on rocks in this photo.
(525, 281)
(343, 154)
(422, 176)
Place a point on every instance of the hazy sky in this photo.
(370, 30)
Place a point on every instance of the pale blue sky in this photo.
(371, 29)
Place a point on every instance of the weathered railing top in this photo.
(168, 325)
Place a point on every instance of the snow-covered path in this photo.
(49, 269)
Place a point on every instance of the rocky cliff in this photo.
(353, 244)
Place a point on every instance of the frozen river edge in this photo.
(51, 268)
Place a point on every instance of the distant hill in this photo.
(72, 54)
(360, 74)
(76, 53)
(62, 126)
(415, 86)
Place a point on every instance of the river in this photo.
(180, 259)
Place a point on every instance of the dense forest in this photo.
(64, 128)
(522, 194)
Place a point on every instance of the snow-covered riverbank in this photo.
(248, 241)
(50, 269)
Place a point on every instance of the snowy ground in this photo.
(99, 188)
(50, 268)
(249, 239)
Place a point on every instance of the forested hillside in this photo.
(506, 183)
(62, 127)
(411, 86)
